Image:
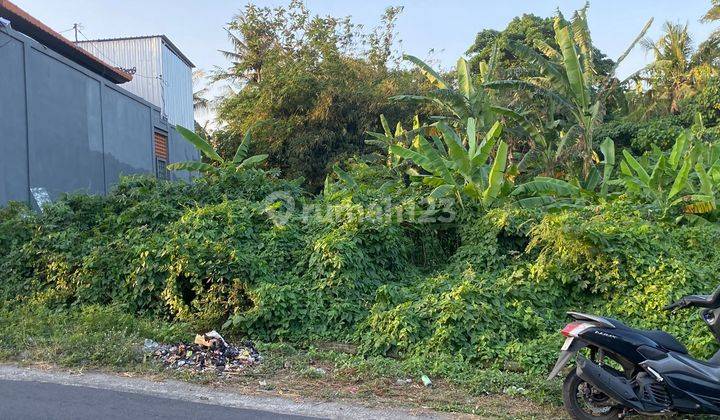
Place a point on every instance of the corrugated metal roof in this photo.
(23, 22)
(142, 54)
(161, 76)
(165, 39)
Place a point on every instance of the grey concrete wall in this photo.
(66, 129)
(181, 150)
(127, 130)
(13, 130)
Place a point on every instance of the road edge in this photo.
(178, 390)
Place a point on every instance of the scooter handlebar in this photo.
(682, 303)
(701, 301)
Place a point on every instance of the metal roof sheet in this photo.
(23, 22)
(164, 38)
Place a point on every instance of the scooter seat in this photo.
(661, 337)
(664, 339)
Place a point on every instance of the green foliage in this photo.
(486, 285)
(680, 183)
(469, 100)
(455, 169)
(552, 193)
(643, 136)
(621, 131)
(87, 250)
(315, 83)
(240, 161)
(660, 132)
(569, 80)
(706, 102)
(16, 223)
(489, 289)
(678, 71)
(527, 29)
(87, 337)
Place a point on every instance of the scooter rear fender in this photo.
(565, 355)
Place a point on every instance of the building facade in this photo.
(66, 125)
(162, 75)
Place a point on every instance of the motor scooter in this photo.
(627, 371)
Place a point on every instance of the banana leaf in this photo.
(679, 148)
(471, 131)
(681, 179)
(441, 191)
(637, 167)
(546, 186)
(192, 166)
(427, 71)
(465, 80)
(251, 161)
(385, 125)
(345, 177)
(496, 178)
(607, 148)
(457, 153)
(572, 66)
(706, 184)
(199, 143)
(243, 148)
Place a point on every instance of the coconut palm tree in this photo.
(568, 78)
(713, 13)
(669, 75)
(679, 70)
(200, 91)
(709, 50)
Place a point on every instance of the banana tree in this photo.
(551, 193)
(240, 161)
(467, 99)
(388, 138)
(568, 79)
(683, 182)
(459, 164)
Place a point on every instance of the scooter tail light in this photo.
(574, 329)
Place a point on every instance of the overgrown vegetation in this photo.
(456, 244)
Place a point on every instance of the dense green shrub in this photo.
(633, 264)
(706, 102)
(215, 254)
(622, 132)
(660, 132)
(16, 223)
(613, 260)
(487, 288)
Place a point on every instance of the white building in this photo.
(162, 74)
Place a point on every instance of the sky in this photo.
(446, 26)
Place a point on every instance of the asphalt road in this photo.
(38, 400)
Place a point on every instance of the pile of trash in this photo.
(209, 352)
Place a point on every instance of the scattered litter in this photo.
(149, 346)
(426, 381)
(314, 372)
(401, 381)
(515, 391)
(208, 352)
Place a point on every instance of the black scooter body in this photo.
(692, 386)
(659, 375)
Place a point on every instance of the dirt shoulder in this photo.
(319, 398)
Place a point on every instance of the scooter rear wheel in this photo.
(583, 402)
